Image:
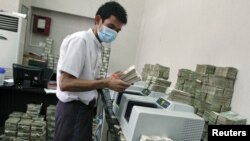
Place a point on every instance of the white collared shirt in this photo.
(80, 56)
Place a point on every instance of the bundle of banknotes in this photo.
(217, 96)
(205, 69)
(24, 128)
(228, 72)
(180, 96)
(11, 128)
(219, 81)
(105, 62)
(50, 118)
(230, 118)
(211, 117)
(156, 70)
(16, 114)
(130, 75)
(157, 84)
(38, 131)
(33, 110)
(156, 77)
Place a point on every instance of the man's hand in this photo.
(117, 74)
(116, 84)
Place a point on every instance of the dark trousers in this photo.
(74, 121)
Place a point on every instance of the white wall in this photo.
(183, 33)
(85, 8)
(123, 49)
(9, 5)
(27, 4)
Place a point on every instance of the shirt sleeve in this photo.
(74, 56)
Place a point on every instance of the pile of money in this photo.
(39, 118)
(26, 126)
(158, 81)
(48, 55)
(156, 76)
(130, 75)
(16, 114)
(216, 95)
(228, 72)
(157, 84)
(205, 69)
(105, 62)
(33, 110)
(183, 75)
(50, 118)
(156, 70)
(11, 128)
(26, 116)
(160, 71)
(38, 131)
(24, 129)
(180, 96)
(146, 70)
(211, 117)
(212, 88)
(190, 82)
(219, 81)
(230, 118)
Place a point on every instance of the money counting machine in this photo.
(132, 90)
(158, 117)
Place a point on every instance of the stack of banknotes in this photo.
(50, 118)
(130, 75)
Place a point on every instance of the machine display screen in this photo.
(162, 102)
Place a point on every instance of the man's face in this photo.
(113, 23)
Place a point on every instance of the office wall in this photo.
(183, 33)
(9, 5)
(70, 16)
(123, 49)
(85, 8)
(62, 24)
(26, 3)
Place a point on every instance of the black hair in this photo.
(112, 8)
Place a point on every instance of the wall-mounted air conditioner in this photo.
(12, 37)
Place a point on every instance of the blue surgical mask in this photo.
(106, 34)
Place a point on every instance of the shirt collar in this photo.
(98, 44)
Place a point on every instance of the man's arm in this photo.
(69, 82)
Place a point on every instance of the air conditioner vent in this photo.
(8, 23)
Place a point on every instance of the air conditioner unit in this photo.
(12, 37)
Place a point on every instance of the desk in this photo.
(16, 99)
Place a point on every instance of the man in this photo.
(80, 57)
